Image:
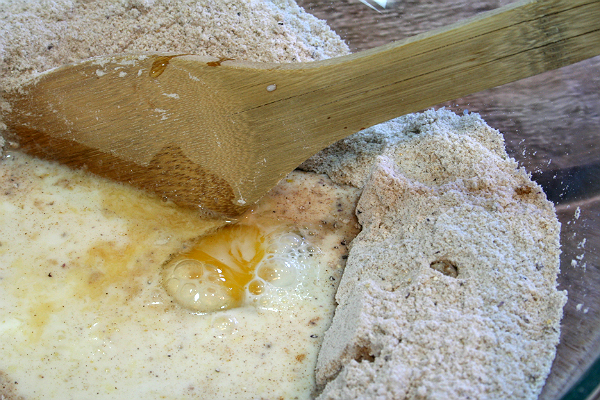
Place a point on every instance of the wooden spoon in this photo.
(219, 134)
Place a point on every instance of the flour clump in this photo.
(450, 287)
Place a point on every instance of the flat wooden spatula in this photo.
(219, 134)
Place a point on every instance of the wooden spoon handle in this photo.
(523, 39)
(316, 104)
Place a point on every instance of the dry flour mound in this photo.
(450, 288)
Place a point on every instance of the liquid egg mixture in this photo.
(111, 293)
(236, 264)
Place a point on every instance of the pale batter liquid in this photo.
(86, 276)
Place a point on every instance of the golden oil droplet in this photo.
(255, 287)
(159, 65)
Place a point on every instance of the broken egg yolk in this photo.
(235, 265)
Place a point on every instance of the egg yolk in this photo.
(223, 270)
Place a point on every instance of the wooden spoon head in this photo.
(168, 124)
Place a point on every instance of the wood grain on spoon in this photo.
(219, 134)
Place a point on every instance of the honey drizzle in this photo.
(160, 64)
(218, 62)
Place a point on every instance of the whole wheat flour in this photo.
(449, 289)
